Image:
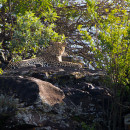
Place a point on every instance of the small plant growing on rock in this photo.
(7, 105)
(87, 127)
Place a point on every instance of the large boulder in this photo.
(30, 90)
(24, 100)
(75, 99)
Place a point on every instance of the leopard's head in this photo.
(57, 48)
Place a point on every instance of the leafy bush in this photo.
(110, 44)
(27, 26)
(30, 34)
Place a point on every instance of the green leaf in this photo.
(79, 27)
(1, 71)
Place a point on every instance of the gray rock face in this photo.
(33, 102)
(28, 99)
(30, 90)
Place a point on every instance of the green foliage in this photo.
(91, 9)
(37, 6)
(111, 47)
(31, 28)
(3, 1)
(50, 16)
(27, 33)
(30, 34)
(1, 71)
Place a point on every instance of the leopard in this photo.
(50, 57)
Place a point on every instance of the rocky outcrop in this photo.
(53, 99)
(31, 90)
